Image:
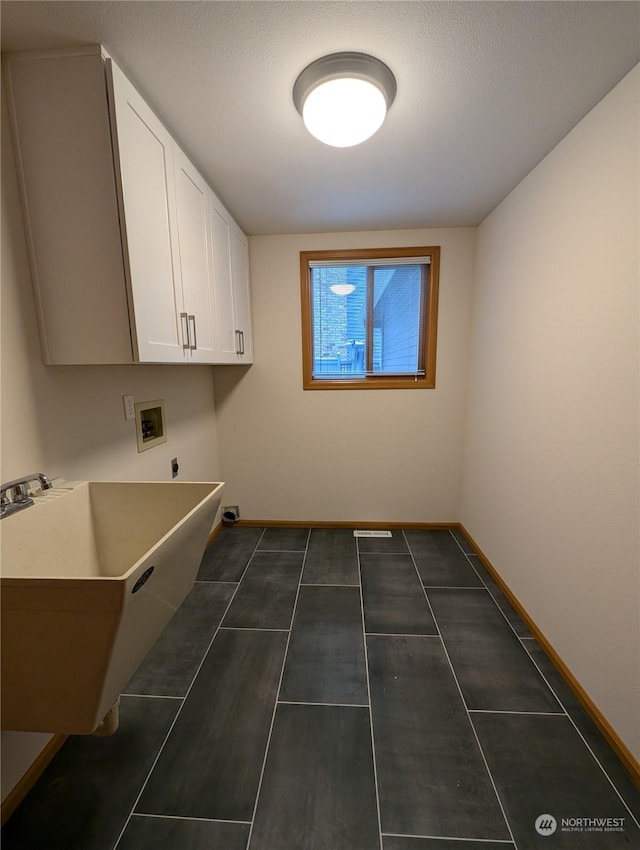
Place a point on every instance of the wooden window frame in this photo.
(368, 382)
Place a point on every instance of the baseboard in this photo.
(214, 533)
(29, 779)
(617, 745)
(263, 523)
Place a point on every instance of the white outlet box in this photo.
(129, 407)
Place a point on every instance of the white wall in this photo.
(550, 489)
(69, 421)
(343, 455)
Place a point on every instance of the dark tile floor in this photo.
(318, 692)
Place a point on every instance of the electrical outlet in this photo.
(129, 407)
(175, 468)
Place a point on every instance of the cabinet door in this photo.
(241, 293)
(143, 150)
(226, 336)
(192, 214)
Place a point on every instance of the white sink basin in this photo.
(90, 576)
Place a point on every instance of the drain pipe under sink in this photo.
(110, 721)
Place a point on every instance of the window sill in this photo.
(369, 384)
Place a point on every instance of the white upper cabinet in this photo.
(64, 163)
(231, 287)
(119, 222)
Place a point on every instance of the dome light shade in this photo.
(344, 112)
(343, 98)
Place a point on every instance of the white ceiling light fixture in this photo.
(343, 98)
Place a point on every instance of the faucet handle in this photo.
(20, 494)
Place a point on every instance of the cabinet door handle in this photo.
(192, 319)
(238, 351)
(241, 342)
(184, 321)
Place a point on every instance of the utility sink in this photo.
(90, 576)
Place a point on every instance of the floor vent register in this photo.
(365, 533)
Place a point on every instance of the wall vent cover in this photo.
(360, 533)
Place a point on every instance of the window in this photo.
(369, 318)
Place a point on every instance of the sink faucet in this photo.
(14, 495)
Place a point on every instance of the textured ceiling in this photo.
(485, 91)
